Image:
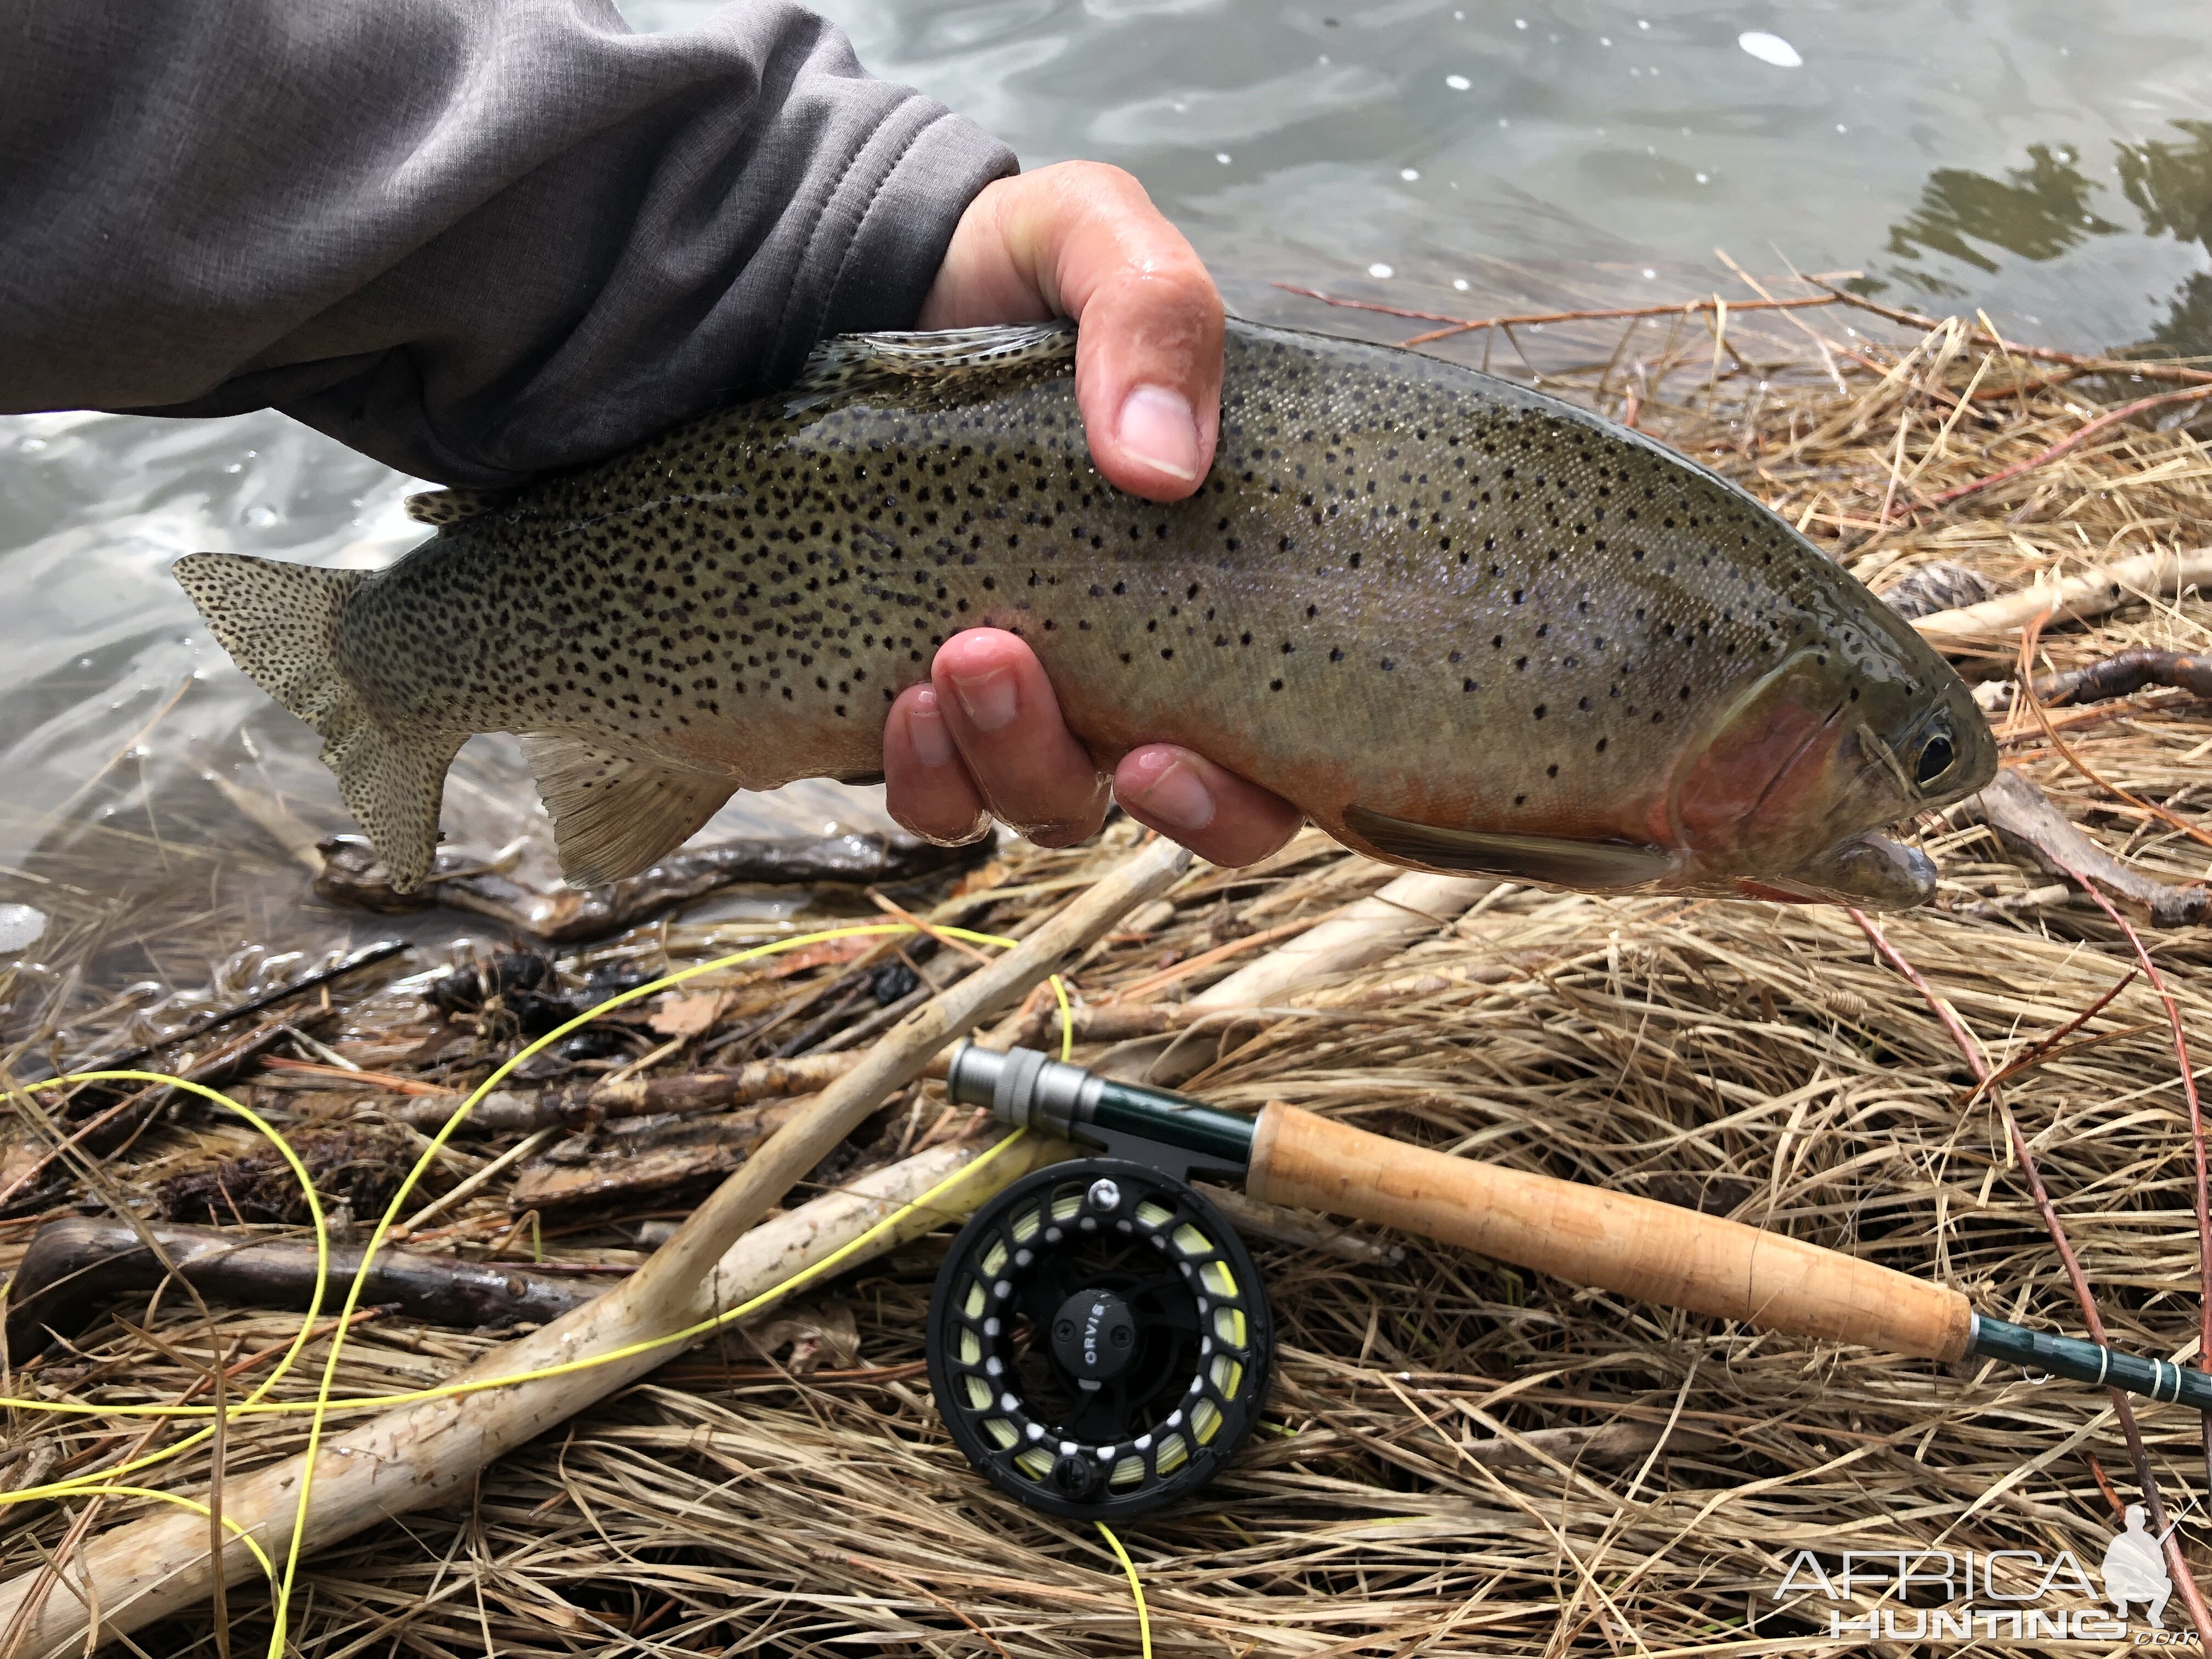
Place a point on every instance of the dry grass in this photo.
(1756, 1061)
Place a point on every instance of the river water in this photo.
(2048, 161)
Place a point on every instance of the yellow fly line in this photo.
(254, 1404)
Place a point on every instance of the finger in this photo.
(926, 784)
(1083, 240)
(1215, 813)
(1003, 715)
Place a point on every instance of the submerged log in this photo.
(354, 876)
(76, 1267)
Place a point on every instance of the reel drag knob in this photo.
(1094, 1337)
(1099, 1340)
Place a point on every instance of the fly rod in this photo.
(1100, 1317)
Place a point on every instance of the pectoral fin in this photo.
(614, 815)
(1596, 866)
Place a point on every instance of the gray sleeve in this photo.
(475, 239)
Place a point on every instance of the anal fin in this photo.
(1590, 866)
(613, 815)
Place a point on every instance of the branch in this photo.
(354, 876)
(2024, 819)
(2109, 418)
(75, 1265)
(1469, 325)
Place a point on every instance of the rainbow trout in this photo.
(1466, 627)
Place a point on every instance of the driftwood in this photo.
(643, 1162)
(2127, 673)
(354, 876)
(74, 1266)
(2025, 820)
(2103, 588)
(1411, 907)
(431, 1451)
(582, 1105)
(1937, 588)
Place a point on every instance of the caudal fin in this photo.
(279, 623)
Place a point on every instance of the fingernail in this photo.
(1157, 428)
(988, 698)
(925, 729)
(1177, 797)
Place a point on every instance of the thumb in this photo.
(1086, 241)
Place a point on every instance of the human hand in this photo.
(986, 736)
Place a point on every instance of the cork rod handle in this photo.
(1637, 1247)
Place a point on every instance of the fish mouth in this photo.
(1869, 871)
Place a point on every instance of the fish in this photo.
(1464, 626)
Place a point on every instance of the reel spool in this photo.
(1099, 1340)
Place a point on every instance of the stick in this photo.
(644, 1164)
(75, 1264)
(2109, 418)
(1410, 907)
(2125, 674)
(1467, 325)
(425, 1453)
(2025, 820)
(578, 1105)
(2104, 588)
(352, 875)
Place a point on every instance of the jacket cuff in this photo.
(883, 233)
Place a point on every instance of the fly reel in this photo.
(1099, 1340)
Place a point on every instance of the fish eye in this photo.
(1935, 758)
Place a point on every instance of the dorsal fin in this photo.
(853, 360)
(444, 506)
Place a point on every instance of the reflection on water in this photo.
(2053, 206)
(2037, 212)
(1311, 141)
(2050, 162)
